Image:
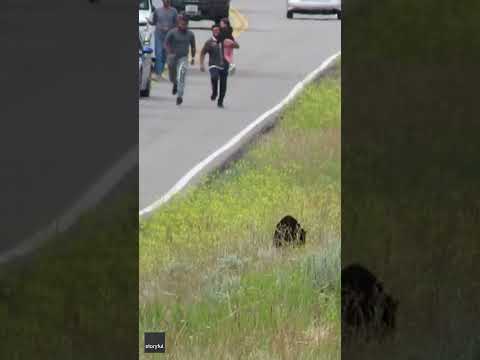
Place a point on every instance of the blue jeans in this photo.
(217, 75)
(160, 53)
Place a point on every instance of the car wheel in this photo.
(289, 15)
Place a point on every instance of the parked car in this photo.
(144, 67)
(314, 7)
(145, 9)
(203, 9)
(146, 30)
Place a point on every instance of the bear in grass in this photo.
(366, 309)
(289, 232)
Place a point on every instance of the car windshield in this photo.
(144, 5)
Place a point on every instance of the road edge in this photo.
(223, 154)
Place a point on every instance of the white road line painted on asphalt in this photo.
(183, 182)
(90, 198)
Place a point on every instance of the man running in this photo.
(164, 19)
(177, 43)
(217, 64)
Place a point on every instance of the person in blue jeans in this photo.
(164, 19)
(218, 65)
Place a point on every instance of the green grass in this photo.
(410, 181)
(76, 291)
(208, 274)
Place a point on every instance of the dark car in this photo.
(314, 7)
(201, 9)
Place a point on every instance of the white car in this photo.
(314, 7)
(145, 10)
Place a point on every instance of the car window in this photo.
(144, 5)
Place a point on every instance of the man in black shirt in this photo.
(217, 64)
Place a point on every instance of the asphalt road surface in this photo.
(69, 105)
(275, 54)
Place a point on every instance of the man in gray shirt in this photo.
(177, 43)
(164, 19)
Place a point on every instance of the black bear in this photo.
(289, 232)
(365, 305)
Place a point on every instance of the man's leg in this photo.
(182, 68)
(223, 86)
(172, 73)
(160, 53)
(214, 76)
(164, 54)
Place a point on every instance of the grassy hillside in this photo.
(75, 298)
(209, 275)
(410, 178)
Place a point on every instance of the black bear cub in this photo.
(366, 307)
(289, 232)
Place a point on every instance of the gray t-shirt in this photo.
(180, 41)
(164, 19)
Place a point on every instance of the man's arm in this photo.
(173, 24)
(168, 42)
(235, 43)
(193, 45)
(202, 55)
(152, 20)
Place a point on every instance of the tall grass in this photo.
(410, 183)
(209, 275)
(77, 290)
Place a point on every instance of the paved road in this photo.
(275, 54)
(68, 111)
